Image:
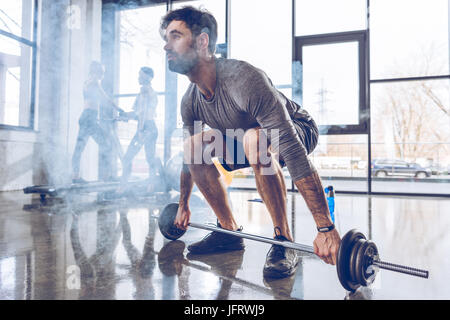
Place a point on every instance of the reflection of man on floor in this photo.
(142, 265)
(144, 112)
(98, 271)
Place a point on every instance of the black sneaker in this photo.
(217, 242)
(280, 261)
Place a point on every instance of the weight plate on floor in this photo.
(343, 260)
(365, 271)
(166, 222)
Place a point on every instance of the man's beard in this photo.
(182, 65)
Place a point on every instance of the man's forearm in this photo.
(312, 191)
(186, 185)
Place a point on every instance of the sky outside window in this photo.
(409, 38)
(329, 16)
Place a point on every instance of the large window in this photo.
(261, 34)
(407, 79)
(411, 127)
(375, 78)
(410, 101)
(17, 57)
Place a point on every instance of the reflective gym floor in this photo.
(85, 249)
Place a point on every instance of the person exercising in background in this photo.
(144, 110)
(231, 94)
(93, 95)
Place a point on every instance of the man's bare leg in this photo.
(211, 185)
(280, 261)
(271, 187)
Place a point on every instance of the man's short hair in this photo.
(148, 71)
(197, 20)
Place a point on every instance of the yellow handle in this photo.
(227, 175)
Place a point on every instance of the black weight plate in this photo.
(343, 260)
(353, 259)
(365, 275)
(166, 222)
(359, 266)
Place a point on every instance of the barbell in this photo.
(358, 260)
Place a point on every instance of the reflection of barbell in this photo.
(357, 259)
(172, 254)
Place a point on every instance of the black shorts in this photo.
(307, 131)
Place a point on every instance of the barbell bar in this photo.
(357, 259)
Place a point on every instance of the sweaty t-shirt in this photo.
(245, 98)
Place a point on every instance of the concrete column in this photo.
(51, 82)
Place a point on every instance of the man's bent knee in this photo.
(201, 147)
(256, 147)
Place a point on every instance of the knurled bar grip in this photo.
(401, 269)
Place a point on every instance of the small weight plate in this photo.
(166, 222)
(343, 259)
(365, 271)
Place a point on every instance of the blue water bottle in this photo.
(330, 198)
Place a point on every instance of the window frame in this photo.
(361, 37)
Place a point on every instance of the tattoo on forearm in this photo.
(312, 191)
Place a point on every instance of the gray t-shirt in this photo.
(245, 98)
